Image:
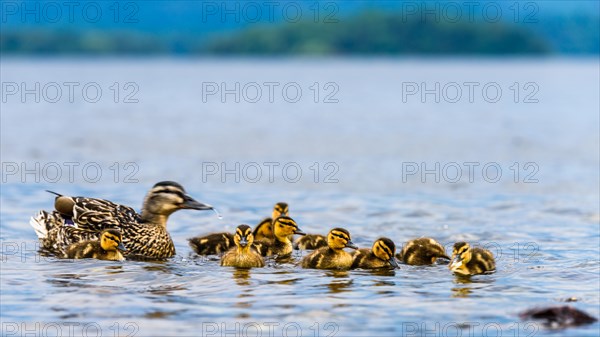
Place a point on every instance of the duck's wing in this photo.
(56, 233)
(97, 214)
(76, 219)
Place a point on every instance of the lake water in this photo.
(500, 153)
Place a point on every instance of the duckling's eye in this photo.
(339, 236)
(112, 238)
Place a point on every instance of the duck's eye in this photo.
(339, 236)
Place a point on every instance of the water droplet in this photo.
(218, 214)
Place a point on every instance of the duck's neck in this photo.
(243, 250)
(112, 254)
(336, 250)
(155, 218)
(283, 240)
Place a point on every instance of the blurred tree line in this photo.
(368, 33)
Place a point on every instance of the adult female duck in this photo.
(145, 234)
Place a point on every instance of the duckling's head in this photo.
(165, 198)
(284, 227)
(264, 229)
(461, 254)
(280, 209)
(243, 236)
(339, 238)
(385, 249)
(111, 240)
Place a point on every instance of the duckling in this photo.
(310, 242)
(264, 230)
(333, 256)
(212, 244)
(471, 261)
(78, 219)
(380, 256)
(109, 247)
(280, 209)
(284, 228)
(218, 243)
(422, 251)
(243, 255)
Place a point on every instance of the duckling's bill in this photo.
(456, 263)
(350, 244)
(298, 231)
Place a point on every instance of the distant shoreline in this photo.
(369, 34)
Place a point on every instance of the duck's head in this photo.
(264, 229)
(243, 236)
(111, 240)
(339, 238)
(284, 227)
(280, 209)
(165, 198)
(461, 255)
(385, 249)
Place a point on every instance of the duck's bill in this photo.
(299, 232)
(350, 244)
(455, 263)
(394, 263)
(243, 242)
(121, 247)
(190, 203)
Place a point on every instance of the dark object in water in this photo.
(559, 317)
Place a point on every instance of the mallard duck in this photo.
(471, 261)
(218, 243)
(380, 256)
(333, 256)
(243, 254)
(284, 228)
(109, 247)
(310, 242)
(421, 252)
(77, 219)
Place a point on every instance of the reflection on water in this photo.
(468, 285)
(241, 276)
(340, 281)
(464, 290)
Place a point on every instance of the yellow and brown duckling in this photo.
(333, 256)
(471, 261)
(380, 256)
(212, 244)
(311, 242)
(284, 228)
(422, 251)
(243, 255)
(108, 247)
(78, 219)
(280, 209)
(218, 243)
(264, 230)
